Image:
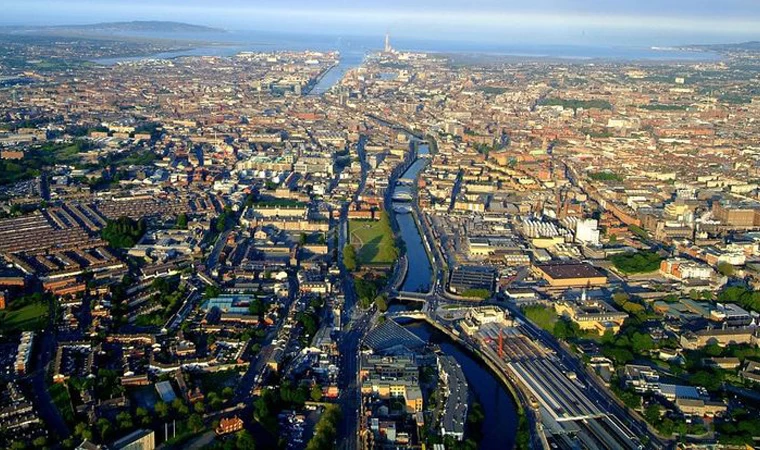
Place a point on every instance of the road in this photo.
(356, 324)
(258, 365)
(350, 398)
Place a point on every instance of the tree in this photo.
(195, 423)
(211, 292)
(316, 393)
(104, 428)
(214, 401)
(227, 393)
(326, 430)
(244, 441)
(180, 407)
(652, 414)
(726, 269)
(123, 232)
(256, 307)
(82, 431)
(620, 298)
(162, 409)
(143, 416)
(620, 356)
(640, 262)
(641, 343)
(349, 257)
(565, 329)
(182, 221)
(366, 289)
(710, 380)
(382, 303)
(124, 419)
(199, 407)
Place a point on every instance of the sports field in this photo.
(373, 240)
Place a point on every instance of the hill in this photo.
(141, 26)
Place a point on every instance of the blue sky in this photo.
(616, 22)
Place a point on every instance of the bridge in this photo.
(402, 196)
(412, 296)
(417, 315)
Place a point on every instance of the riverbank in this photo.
(503, 411)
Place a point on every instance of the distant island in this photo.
(145, 25)
(122, 27)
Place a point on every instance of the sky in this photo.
(588, 22)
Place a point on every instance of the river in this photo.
(500, 424)
(352, 51)
(347, 62)
(420, 273)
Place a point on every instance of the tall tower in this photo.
(387, 43)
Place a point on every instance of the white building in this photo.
(587, 232)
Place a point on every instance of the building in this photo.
(700, 408)
(465, 278)
(24, 352)
(587, 232)
(722, 337)
(591, 314)
(573, 274)
(731, 315)
(137, 440)
(166, 391)
(455, 408)
(684, 269)
(477, 317)
(641, 378)
(737, 215)
(229, 425)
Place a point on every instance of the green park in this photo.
(373, 240)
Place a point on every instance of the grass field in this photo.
(27, 318)
(373, 240)
(542, 316)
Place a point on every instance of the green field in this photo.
(542, 316)
(26, 318)
(373, 240)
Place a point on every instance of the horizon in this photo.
(544, 22)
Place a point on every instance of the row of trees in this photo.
(326, 430)
(742, 296)
(273, 401)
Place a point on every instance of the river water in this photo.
(352, 53)
(500, 424)
(419, 275)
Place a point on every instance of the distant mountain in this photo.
(140, 26)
